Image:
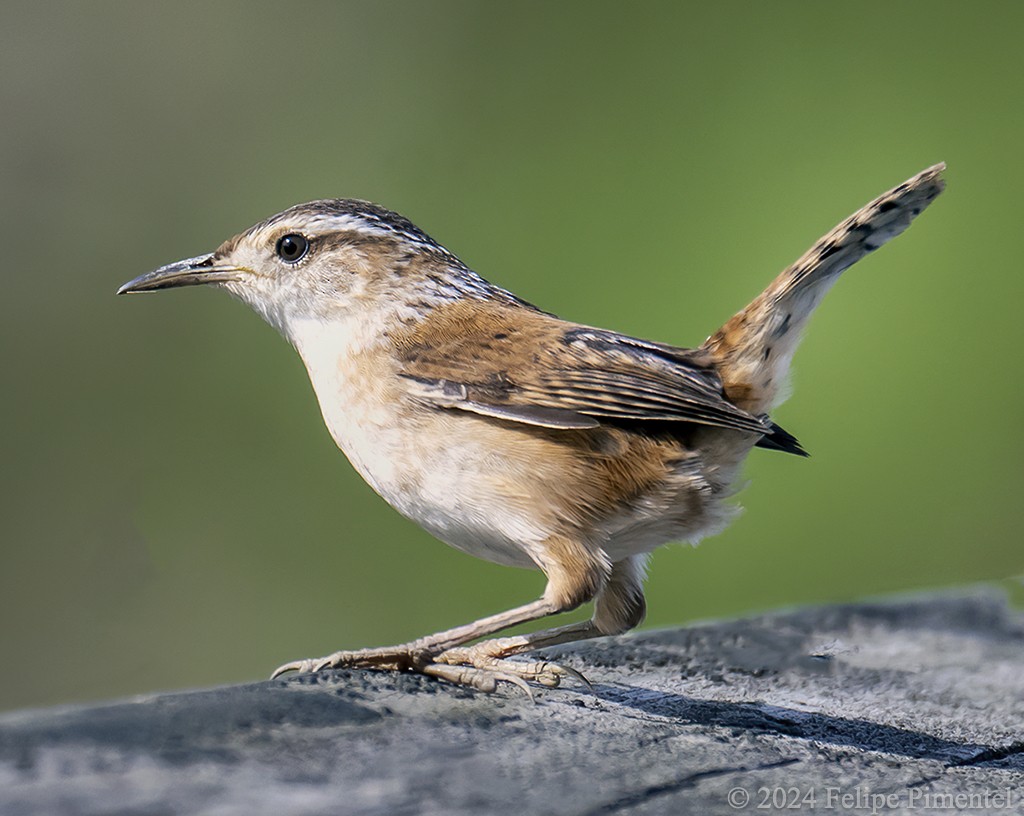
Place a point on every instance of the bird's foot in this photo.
(491, 658)
(481, 667)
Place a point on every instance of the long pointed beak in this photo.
(190, 272)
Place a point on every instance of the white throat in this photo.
(351, 373)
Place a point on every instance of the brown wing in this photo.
(530, 367)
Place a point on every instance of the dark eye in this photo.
(292, 247)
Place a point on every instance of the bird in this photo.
(516, 436)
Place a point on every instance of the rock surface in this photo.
(904, 706)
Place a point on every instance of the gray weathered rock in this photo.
(910, 700)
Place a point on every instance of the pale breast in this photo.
(423, 462)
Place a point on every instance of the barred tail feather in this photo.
(754, 348)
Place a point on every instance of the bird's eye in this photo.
(292, 248)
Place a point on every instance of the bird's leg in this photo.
(574, 576)
(418, 653)
(618, 608)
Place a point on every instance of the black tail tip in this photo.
(778, 438)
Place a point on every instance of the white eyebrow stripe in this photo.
(373, 225)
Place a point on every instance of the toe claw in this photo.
(310, 665)
(575, 675)
(516, 681)
(299, 666)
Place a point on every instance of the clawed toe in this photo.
(300, 666)
(483, 680)
(542, 672)
(310, 665)
(395, 659)
(574, 674)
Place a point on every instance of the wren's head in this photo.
(329, 260)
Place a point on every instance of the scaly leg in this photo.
(618, 608)
(417, 654)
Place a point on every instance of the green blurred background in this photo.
(173, 512)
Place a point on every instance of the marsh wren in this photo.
(511, 434)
